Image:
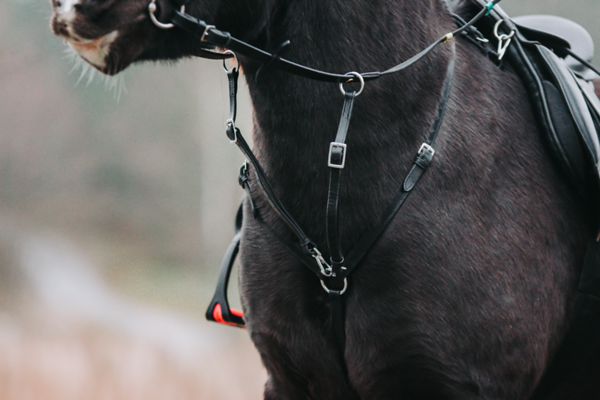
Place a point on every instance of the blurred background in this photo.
(117, 200)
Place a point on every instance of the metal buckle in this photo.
(428, 148)
(342, 146)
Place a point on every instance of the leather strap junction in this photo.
(333, 275)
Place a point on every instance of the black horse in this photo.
(469, 291)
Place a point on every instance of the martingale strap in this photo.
(333, 277)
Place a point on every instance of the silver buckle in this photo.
(342, 146)
(428, 148)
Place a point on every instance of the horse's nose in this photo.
(64, 10)
(64, 15)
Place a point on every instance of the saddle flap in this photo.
(566, 109)
(571, 121)
(576, 101)
(558, 34)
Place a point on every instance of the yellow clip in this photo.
(448, 37)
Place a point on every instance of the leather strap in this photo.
(420, 165)
(234, 134)
(337, 318)
(336, 284)
(336, 162)
(215, 37)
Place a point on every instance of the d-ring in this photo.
(341, 292)
(360, 79)
(155, 21)
(237, 63)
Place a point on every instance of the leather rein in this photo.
(333, 275)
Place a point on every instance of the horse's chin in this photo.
(97, 52)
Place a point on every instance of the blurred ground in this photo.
(82, 340)
(117, 201)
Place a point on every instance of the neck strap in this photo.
(209, 35)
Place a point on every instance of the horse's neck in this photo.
(297, 118)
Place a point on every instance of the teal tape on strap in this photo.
(489, 6)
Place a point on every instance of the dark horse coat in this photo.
(470, 289)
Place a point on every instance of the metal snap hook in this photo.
(351, 75)
(503, 40)
(503, 36)
(325, 268)
(236, 62)
(152, 10)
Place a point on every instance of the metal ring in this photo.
(360, 79)
(155, 21)
(225, 60)
(343, 290)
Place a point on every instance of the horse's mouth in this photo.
(97, 52)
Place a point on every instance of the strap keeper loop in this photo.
(231, 131)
